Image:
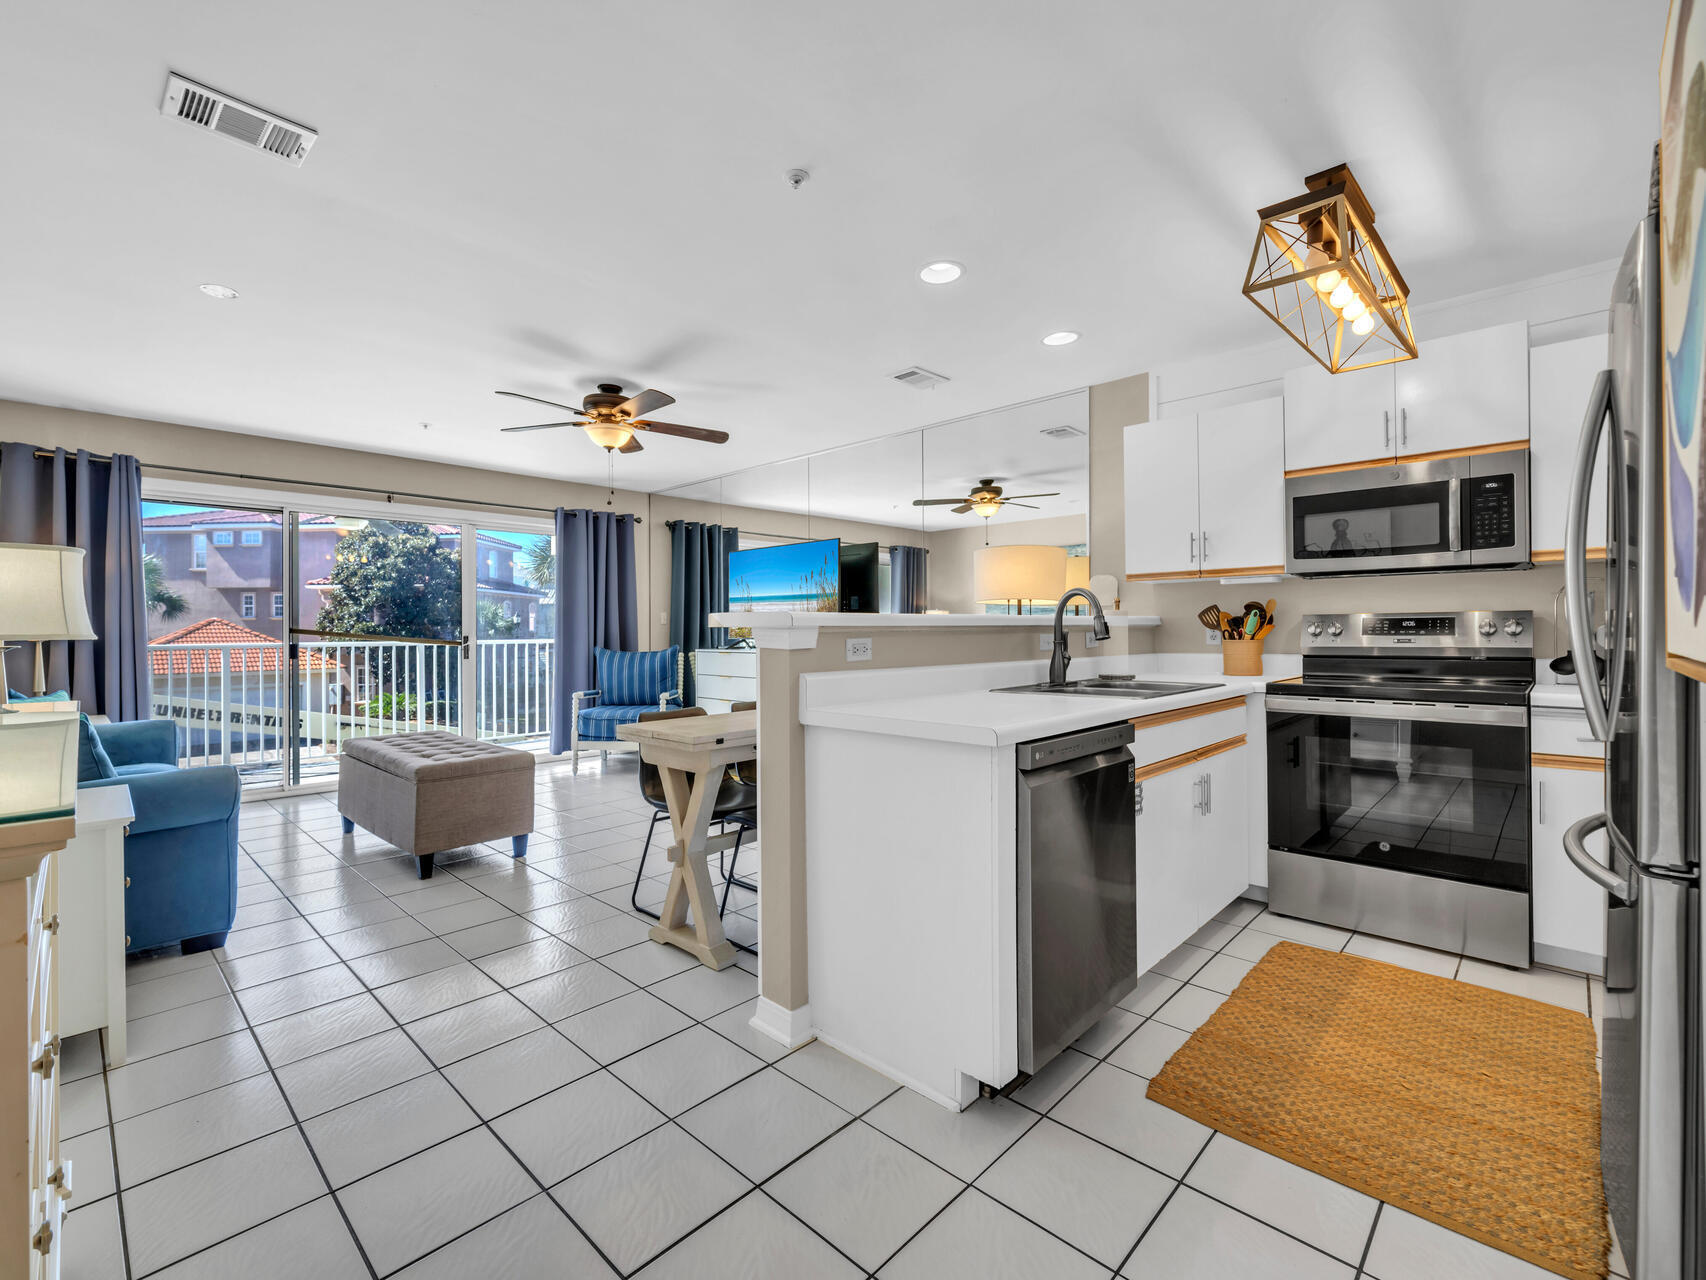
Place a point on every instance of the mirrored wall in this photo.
(1037, 454)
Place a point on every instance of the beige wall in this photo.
(951, 553)
(1114, 406)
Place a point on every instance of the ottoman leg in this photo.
(349, 825)
(423, 866)
(518, 846)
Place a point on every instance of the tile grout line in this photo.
(1368, 1244)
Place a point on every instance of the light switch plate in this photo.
(859, 650)
(1045, 643)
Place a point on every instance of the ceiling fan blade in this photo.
(544, 426)
(633, 445)
(961, 509)
(639, 406)
(937, 502)
(686, 433)
(1033, 495)
(1027, 505)
(516, 395)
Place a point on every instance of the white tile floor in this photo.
(495, 1073)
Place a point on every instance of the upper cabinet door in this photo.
(1335, 418)
(1241, 455)
(1464, 391)
(1560, 376)
(1161, 528)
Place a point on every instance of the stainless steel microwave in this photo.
(1468, 512)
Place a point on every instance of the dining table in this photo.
(691, 754)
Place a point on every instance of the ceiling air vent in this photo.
(1062, 432)
(243, 123)
(922, 379)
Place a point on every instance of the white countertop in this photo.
(778, 621)
(964, 704)
(1548, 694)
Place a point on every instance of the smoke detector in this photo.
(240, 122)
(919, 378)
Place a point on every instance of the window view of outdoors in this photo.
(221, 663)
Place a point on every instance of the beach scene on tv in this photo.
(800, 577)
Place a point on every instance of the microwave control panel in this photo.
(1489, 516)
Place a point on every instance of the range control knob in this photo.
(1513, 626)
(1335, 629)
(1488, 626)
(1314, 628)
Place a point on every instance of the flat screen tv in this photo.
(797, 577)
(859, 577)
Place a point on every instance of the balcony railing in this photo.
(230, 700)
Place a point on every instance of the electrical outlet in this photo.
(859, 650)
(1090, 641)
(1045, 643)
(1210, 636)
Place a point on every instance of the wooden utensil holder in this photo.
(1241, 657)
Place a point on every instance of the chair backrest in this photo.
(743, 706)
(630, 679)
(651, 782)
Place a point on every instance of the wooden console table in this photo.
(691, 755)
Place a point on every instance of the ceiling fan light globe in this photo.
(986, 508)
(609, 435)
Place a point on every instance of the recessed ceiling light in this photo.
(218, 291)
(943, 272)
(1061, 339)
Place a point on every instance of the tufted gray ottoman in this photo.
(427, 792)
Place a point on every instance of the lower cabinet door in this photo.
(1167, 894)
(1223, 845)
(1569, 909)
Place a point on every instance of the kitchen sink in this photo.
(1112, 687)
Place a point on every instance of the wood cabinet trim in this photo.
(1433, 456)
(1585, 764)
(1245, 571)
(1557, 557)
(1145, 772)
(1186, 713)
(1686, 666)
(1168, 575)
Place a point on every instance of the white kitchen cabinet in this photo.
(1467, 390)
(1336, 418)
(1161, 527)
(1192, 847)
(1240, 499)
(1560, 376)
(1569, 909)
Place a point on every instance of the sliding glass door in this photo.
(513, 588)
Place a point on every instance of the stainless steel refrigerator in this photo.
(1651, 1114)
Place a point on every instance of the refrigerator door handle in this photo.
(1576, 850)
(1597, 702)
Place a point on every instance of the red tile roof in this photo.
(204, 660)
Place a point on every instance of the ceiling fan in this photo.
(612, 418)
(985, 500)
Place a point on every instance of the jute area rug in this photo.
(1472, 1108)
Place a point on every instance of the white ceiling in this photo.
(540, 195)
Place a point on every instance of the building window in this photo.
(222, 537)
(248, 604)
(251, 537)
(492, 565)
(198, 552)
(278, 604)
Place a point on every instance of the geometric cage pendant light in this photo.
(1321, 272)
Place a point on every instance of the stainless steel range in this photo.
(1398, 780)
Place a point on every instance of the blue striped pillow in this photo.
(627, 679)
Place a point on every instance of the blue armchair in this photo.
(628, 684)
(180, 855)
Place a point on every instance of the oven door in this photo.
(1439, 790)
(1376, 519)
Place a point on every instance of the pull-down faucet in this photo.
(1058, 660)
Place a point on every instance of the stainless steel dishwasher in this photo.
(1077, 882)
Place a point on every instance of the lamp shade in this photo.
(38, 766)
(1018, 573)
(41, 593)
(1077, 572)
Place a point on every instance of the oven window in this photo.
(1403, 520)
(1446, 800)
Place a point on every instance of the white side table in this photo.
(91, 919)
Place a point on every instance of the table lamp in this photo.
(42, 598)
(1017, 575)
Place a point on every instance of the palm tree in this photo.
(169, 604)
(539, 564)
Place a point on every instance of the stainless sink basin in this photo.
(1111, 687)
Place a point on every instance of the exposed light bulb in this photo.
(1327, 281)
(1341, 295)
(1364, 324)
(1353, 309)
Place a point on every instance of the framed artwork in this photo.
(1682, 293)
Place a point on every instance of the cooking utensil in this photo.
(1253, 622)
(1210, 617)
(1256, 607)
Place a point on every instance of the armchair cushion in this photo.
(634, 679)
(93, 762)
(166, 799)
(140, 741)
(598, 724)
